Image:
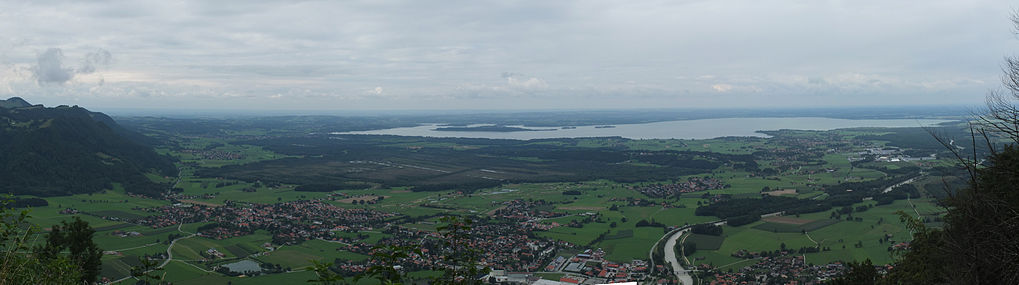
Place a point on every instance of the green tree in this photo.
(459, 255)
(148, 272)
(386, 260)
(977, 244)
(76, 238)
(859, 273)
(924, 260)
(17, 265)
(326, 276)
(689, 248)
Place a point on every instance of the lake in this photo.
(244, 266)
(687, 129)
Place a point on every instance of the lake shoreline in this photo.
(680, 129)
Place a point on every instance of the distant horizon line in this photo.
(136, 111)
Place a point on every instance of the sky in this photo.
(502, 55)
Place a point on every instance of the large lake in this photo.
(688, 129)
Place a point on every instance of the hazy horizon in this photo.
(255, 112)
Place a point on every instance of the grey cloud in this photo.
(92, 59)
(50, 68)
(450, 50)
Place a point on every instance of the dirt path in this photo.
(734, 263)
(137, 247)
(812, 239)
(333, 241)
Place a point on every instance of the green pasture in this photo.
(705, 242)
(877, 223)
(301, 255)
(191, 248)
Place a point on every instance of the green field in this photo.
(608, 210)
(705, 242)
(840, 237)
(301, 255)
(791, 228)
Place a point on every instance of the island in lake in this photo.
(489, 129)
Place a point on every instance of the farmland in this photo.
(584, 192)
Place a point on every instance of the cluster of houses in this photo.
(212, 253)
(213, 154)
(587, 267)
(780, 270)
(181, 196)
(508, 246)
(288, 222)
(590, 267)
(889, 155)
(692, 184)
(526, 210)
(123, 234)
(504, 246)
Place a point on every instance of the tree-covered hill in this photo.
(69, 150)
(14, 102)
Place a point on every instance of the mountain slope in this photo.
(69, 150)
(14, 102)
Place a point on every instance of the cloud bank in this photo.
(520, 54)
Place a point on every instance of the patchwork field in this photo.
(847, 240)
(598, 211)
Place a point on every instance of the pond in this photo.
(244, 266)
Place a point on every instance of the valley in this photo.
(284, 201)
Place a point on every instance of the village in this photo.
(780, 270)
(288, 222)
(586, 267)
(692, 184)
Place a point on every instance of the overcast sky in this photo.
(364, 55)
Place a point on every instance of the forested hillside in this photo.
(69, 150)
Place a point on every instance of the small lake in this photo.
(687, 129)
(244, 266)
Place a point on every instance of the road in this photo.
(333, 241)
(137, 247)
(889, 189)
(169, 252)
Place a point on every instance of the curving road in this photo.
(889, 189)
(169, 252)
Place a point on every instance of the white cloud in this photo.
(722, 88)
(522, 81)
